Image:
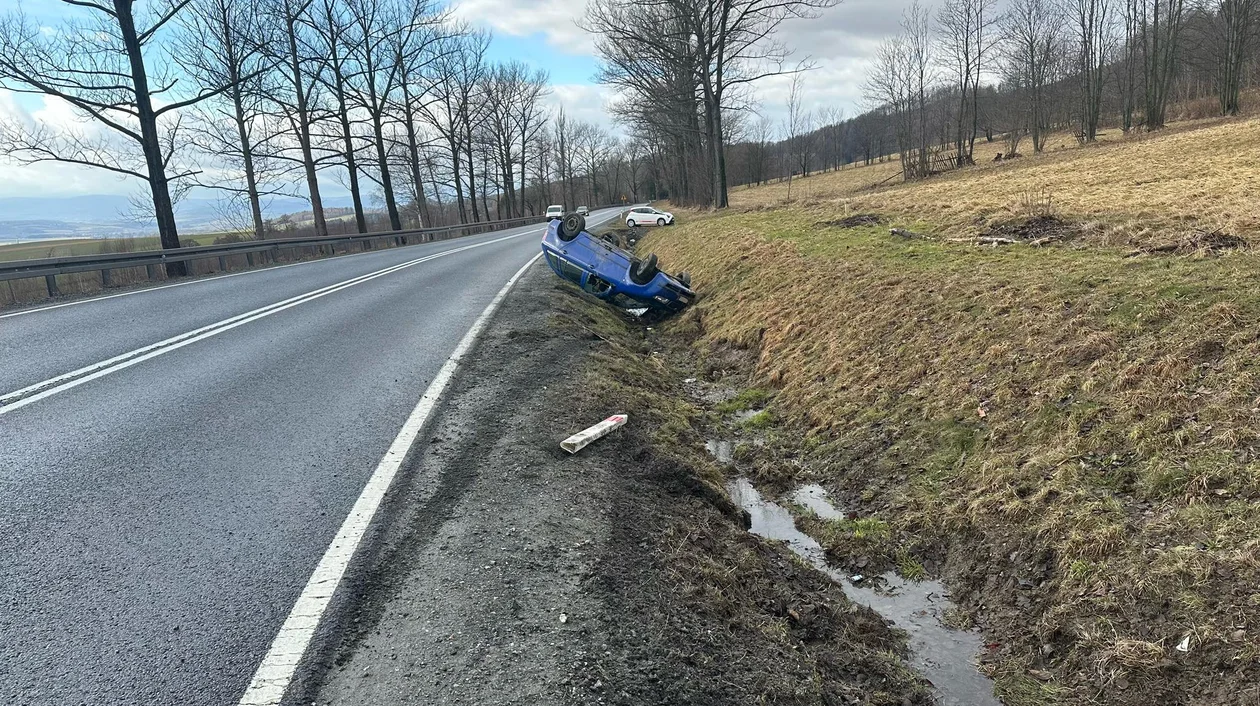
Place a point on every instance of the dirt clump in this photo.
(1037, 230)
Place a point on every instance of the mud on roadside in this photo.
(514, 573)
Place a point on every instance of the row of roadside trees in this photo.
(392, 99)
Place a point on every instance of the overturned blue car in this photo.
(610, 273)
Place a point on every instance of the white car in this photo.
(554, 212)
(648, 216)
(584, 211)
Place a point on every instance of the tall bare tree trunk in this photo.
(303, 125)
(163, 208)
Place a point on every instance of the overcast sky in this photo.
(543, 33)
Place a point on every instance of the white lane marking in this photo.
(277, 669)
(202, 280)
(17, 399)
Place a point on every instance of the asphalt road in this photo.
(158, 522)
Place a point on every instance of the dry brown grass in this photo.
(1125, 190)
(1120, 395)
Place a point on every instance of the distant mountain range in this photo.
(97, 216)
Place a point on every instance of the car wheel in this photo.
(685, 278)
(642, 271)
(630, 222)
(570, 226)
(660, 221)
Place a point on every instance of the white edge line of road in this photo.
(278, 667)
(199, 280)
(13, 401)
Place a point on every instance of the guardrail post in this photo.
(105, 279)
(150, 271)
(249, 259)
(222, 263)
(51, 281)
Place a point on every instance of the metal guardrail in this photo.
(49, 268)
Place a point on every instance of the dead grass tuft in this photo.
(1134, 654)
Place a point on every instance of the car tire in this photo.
(643, 271)
(570, 226)
(630, 222)
(685, 278)
(660, 221)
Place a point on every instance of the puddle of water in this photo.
(815, 498)
(723, 451)
(944, 655)
(746, 414)
(773, 521)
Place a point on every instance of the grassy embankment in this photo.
(1067, 433)
(728, 618)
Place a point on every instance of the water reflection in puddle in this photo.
(943, 655)
(815, 498)
(723, 451)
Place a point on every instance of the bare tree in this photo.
(529, 119)
(704, 48)
(889, 89)
(224, 43)
(916, 24)
(967, 37)
(793, 126)
(332, 32)
(1092, 20)
(1232, 34)
(295, 93)
(377, 74)
(563, 136)
(1128, 69)
(103, 63)
(456, 71)
(1033, 39)
(1161, 30)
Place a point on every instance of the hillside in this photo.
(1124, 190)
(1066, 433)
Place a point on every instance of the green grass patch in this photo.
(751, 398)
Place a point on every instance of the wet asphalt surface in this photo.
(157, 524)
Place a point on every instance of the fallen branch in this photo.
(994, 240)
(903, 233)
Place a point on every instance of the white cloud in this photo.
(51, 178)
(555, 19)
(585, 102)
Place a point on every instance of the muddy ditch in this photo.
(945, 656)
(695, 609)
(944, 649)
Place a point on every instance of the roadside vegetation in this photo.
(711, 613)
(1065, 432)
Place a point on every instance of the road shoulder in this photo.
(511, 572)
